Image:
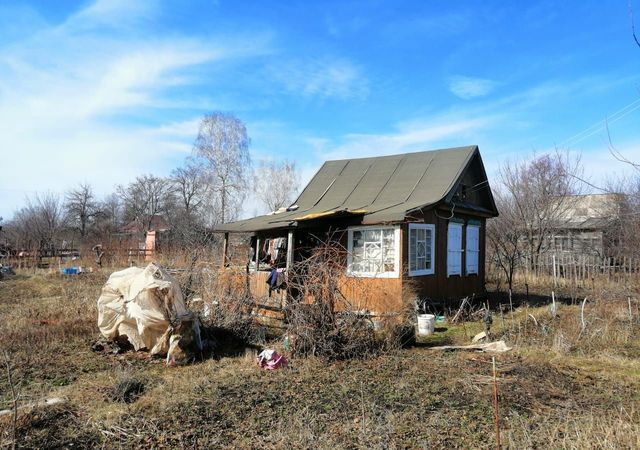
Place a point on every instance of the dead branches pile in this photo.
(321, 321)
(224, 310)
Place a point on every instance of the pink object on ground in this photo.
(270, 359)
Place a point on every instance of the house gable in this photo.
(472, 191)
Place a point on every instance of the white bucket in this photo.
(426, 324)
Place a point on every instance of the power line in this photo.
(601, 124)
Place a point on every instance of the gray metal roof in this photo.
(381, 189)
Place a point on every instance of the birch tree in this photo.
(223, 146)
(276, 184)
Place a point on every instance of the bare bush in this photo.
(321, 321)
(226, 309)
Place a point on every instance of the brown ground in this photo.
(561, 387)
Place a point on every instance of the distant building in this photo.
(139, 226)
(144, 234)
(585, 224)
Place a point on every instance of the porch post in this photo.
(290, 241)
(225, 249)
(289, 250)
(257, 253)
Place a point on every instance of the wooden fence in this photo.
(121, 256)
(567, 267)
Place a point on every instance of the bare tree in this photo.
(81, 207)
(504, 236)
(276, 184)
(191, 187)
(621, 237)
(223, 145)
(539, 190)
(108, 217)
(144, 198)
(38, 225)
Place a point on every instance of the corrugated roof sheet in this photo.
(382, 189)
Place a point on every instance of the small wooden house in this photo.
(412, 225)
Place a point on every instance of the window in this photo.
(421, 249)
(374, 252)
(473, 249)
(454, 249)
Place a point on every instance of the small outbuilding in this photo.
(412, 226)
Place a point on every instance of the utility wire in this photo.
(601, 124)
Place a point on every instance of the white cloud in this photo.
(467, 87)
(80, 103)
(438, 131)
(322, 78)
(115, 14)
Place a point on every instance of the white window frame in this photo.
(422, 226)
(469, 251)
(396, 265)
(449, 250)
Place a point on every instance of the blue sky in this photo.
(107, 90)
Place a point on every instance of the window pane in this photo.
(373, 251)
(372, 235)
(357, 240)
(412, 249)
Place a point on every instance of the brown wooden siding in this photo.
(439, 286)
(376, 295)
(392, 295)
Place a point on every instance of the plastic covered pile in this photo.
(146, 306)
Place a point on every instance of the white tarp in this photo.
(144, 305)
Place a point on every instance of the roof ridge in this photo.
(465, 148)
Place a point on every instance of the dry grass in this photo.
(561, 387)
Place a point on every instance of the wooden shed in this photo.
(412, 226)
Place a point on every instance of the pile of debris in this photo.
(146, 307)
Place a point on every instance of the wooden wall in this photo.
(393, 295)
(439, 286)
(376, 295)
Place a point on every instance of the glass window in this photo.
(421, 249)
(374, 252)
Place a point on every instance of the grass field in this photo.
(562, 386)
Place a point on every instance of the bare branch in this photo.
(633, 27)
(616, 153)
